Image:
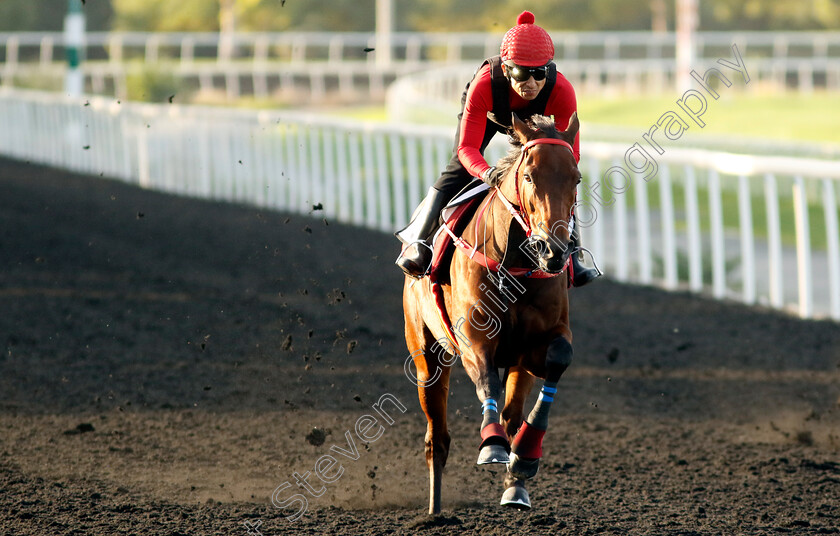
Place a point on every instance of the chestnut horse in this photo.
(508, 310)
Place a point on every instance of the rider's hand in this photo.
(492, 176)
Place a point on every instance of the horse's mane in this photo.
(540, 123)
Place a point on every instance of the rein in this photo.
(518, 214)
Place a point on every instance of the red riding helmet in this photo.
(527, 44)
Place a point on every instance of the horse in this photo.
(509, 295)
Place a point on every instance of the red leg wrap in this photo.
(528, 442)
(493, 433)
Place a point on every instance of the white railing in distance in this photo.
(374, 175)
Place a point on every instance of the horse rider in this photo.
(522, 79)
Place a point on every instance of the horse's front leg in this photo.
(518, 385)
(494, 446)
(526, 449)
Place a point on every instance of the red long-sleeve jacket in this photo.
(561, 104)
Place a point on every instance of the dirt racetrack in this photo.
(165, 363)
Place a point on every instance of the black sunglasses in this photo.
(522, 74)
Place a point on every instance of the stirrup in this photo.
(576, 261)
(428, 266)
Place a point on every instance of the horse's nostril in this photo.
(561, 251)
(540, 247)
(557, 255)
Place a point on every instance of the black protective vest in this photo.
(499, 118)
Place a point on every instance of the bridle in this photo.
(517, 211)
(536, 243)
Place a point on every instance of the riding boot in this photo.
(416, 257)
(581, 275)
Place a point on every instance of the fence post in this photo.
(357, 189)
(398, 182)
(695, 246)
(622, 271)
(669, 243)
(832, 236)
(315, 180)
(46, 52)
(369, 165)
(143, 165)
(413, 164)
(803, 248)
(643, 230)
(343, 177)
(595, 237)
(386, 222)
(747, 247)
(774, 241)
(718, 246)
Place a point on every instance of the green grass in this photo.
(371, 113)
(782, 117)
(793, 116)
(730, 209)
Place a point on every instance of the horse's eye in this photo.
(579, 179)
(527, 177)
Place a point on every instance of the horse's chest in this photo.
(530, 323)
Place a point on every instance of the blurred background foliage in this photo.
(420, 15)
(48, 15)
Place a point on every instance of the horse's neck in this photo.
(492, 231)
(486, 230)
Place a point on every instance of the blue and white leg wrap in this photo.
(490, 410)
(538, 417)
(547, 394)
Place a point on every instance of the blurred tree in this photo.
(250, 15)
(163, 15)
(48, 15)
(329, 15)
(499, 15)
(445, 15)
(659, 14)
(769, 14)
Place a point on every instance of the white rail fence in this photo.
(408, 47)
(314, 65)
(734, 226)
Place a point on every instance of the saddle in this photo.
(455, 215)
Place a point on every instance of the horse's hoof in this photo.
(522, 468)
(516, 497)
(492, 454)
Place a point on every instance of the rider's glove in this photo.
(492, 176)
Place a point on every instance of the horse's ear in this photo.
(520, 128)
(574, 126)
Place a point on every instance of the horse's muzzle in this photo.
(551, 255)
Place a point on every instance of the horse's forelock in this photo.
(545, 125)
